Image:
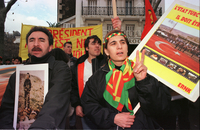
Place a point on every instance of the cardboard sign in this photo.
(172, 49)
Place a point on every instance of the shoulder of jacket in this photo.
(81, 59)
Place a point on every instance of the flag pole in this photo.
(114, 10)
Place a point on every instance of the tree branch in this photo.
(9, 5)
(2, 5)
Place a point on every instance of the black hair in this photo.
(59, 54)
(41, 29)
(67, 43)
(19, 58)
(29, 75)
(95, 37)
(7, 60)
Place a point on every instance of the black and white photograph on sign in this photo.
(30, 98)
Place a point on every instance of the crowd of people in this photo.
(192, 48)
(101, 89)
(15, 60)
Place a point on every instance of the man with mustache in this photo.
(53, 114)
(36, 49)
(85, 66)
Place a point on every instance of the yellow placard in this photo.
(172, 49)
(61, 35)
(185, 15)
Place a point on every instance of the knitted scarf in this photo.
(117, 84)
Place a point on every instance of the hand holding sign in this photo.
(140, 70)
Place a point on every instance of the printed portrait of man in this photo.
(27, 89)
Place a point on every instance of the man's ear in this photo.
(50, 47)
(86, 48)
(106, 51)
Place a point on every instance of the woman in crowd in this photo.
(111, 93)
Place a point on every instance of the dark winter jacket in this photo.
(53, 114)
(96, 64)
(152, 95)
(72, 60)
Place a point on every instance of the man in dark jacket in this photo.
(53, 114)
(85, 66)
(154, 99)
(67, 47)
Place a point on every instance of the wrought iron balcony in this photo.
(133, 36)
(132, 11)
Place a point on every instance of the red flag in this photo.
(150, 18)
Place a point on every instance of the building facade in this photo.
(96, 12)
(65, 9)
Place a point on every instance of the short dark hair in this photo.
(95, 37)
(59, 54)
(6, 61)
(67, 43)
(41, 29)
(19, 58)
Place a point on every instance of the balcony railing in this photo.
(132, 35)
(133, 11)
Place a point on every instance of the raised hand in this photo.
(116, 22)
(140, 70)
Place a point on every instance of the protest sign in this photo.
(30, 90)
(61, 35)
(172, 49)
(5, 72)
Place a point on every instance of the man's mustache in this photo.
(36, 49)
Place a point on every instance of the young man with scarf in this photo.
(113, 91)
(54, 111)
(85, 66)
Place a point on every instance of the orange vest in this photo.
(80, 72)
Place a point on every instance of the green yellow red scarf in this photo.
(117, 84)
